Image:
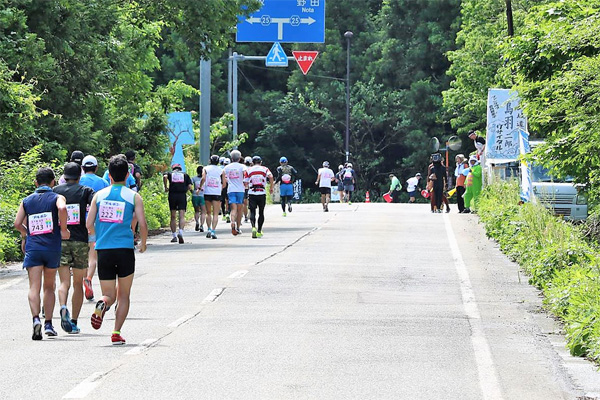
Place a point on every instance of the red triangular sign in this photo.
(305, 59)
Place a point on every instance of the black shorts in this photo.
(115, 262)
(325, 190)
(257, 200)
(177, 201)
(212, 197)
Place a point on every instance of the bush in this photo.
(156, 203)
(558, 258)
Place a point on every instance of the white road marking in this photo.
(213, 295)
(141, 347)
(488, 378)
(238, 274)
(12, 282)
(180, 321)
(84, 388)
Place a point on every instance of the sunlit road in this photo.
(368, 301)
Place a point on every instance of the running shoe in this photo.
(246, 220)
(285, 214)
(349, 203)
(98, 314)
(197, 227)
(174, 240)
(254, 233)
(180, 238)
(228, 219)
(224, 217)
(234, 231)
(49, 329)
(37, 331)
(208, 233)
(213, 235)
(289, 208)
(89, 292)
(117, 339)
(239, 231)
(201, 229)
(74, 328)
(326, 209)
(259, 234)
(447, 210)
(65, 320)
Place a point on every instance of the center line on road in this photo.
(238, 274)
(84, 388)
(180, 321)
(141, 347)
(213, 295)
(488, 378)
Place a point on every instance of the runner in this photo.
(111, 218)
(340, 182)
(214, 181)
(130, 182)
(76, 157)
(234, 173)
(324, 178)
(395, 188)
(90, 179)
(42, 222)
(76, 250)
(256, 177)
(225, 207)
(349, 180)
(286, 175)
(137, 171)
(198, 199)
(247, 164)
(177, 184)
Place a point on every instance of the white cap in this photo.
(89, 161)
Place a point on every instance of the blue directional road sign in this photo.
(276, 57)
(285, 21)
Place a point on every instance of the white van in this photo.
(561, 196)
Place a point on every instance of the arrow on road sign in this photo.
(276, 57)
(294, 20)
(305, 59)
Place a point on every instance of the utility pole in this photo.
(509, 18)
(348, 35)
(205, 72)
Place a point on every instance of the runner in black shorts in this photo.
(177, 184)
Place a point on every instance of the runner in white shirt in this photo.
(247, 164)
(214, 180)
(324, 178)
(236, 186)
(257, 177)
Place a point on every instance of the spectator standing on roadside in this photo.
(395, 188)
(412, 186)
(438, 177)
(461, 166)
(473, 185)
(42, 221)
(177, 183)
(479, 143)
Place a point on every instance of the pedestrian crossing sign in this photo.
(276, 57)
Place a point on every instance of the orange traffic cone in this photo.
(367, 198)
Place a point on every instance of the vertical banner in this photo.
(180, 131)
(504, 121)
(526, 183)
(298, 190)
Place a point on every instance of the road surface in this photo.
(368, 301)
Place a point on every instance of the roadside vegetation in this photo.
(559, 258)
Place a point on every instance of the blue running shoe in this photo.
(49, 329)
(65, 320)
(74, 328)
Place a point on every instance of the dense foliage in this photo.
(557, 257)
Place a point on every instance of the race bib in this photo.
(286, 178)
(111, 211)
(212, 182)
(177, 177)
(73, 214)
(234, 174)
(257, 180)
(40, 224)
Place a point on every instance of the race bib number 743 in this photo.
(111, 211)
(40, 224)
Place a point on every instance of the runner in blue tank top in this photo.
(111, 220)
(42, 221)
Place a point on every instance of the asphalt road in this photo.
(368, 301)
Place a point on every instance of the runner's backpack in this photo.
(286, 174)
(348, 175)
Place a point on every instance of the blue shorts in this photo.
(236, 197)
(348, 188)
(286, 189)
(48, 259)
(413, 193)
